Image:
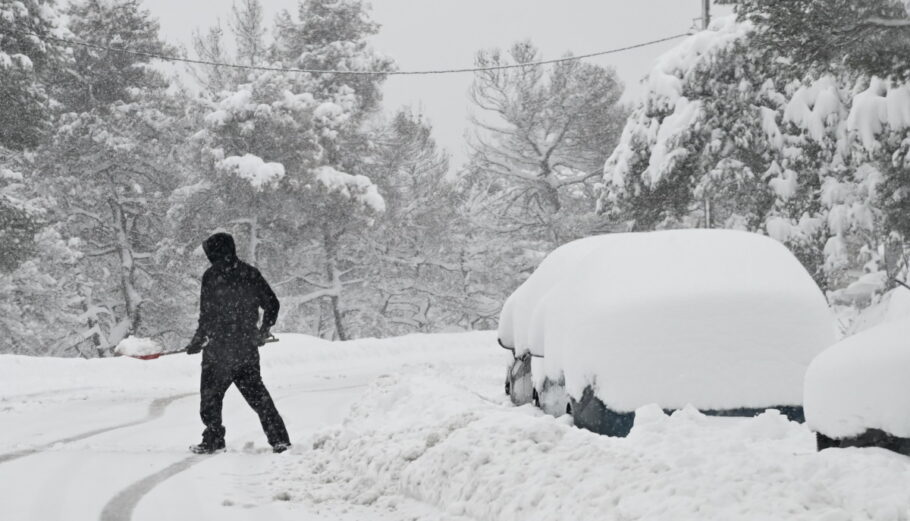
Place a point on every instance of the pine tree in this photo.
(870, 37)
(332, 35)
(543, 135)
(802, 159)
(99, 78)
(249, 31)
(112, 165)
(412, 252)
(36, 316)
(36, 312)
(282, 156)
(25, 62)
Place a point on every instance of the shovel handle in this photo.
(155, 356)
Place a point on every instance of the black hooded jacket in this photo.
(232, 293)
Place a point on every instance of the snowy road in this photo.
(113, 468)
(415, 428)
(109, 453)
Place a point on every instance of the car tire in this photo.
(823, 442)
(535, 398)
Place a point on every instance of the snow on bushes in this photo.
(714, 318)
(862, 383)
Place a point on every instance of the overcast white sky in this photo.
(424, 34)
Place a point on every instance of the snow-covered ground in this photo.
(408, 428)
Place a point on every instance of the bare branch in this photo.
(99, 253)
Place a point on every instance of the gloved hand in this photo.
(264, 336)
(193, 348)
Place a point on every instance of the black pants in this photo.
(216, 378)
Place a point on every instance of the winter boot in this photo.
(280, 447)
(207, 448)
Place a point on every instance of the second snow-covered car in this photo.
(857, 392)
(726, 321)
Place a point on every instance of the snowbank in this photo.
(862, 383)
(718, 319)
(427, 437)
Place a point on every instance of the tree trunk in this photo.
(330, 243)
(708, 217)
(131, 297)
(87, 303)
(254, 240)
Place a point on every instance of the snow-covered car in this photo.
(857, 393)
(723, 320)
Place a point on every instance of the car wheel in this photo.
(535, 397)
(508, 387)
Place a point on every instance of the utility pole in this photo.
(705, 22)
(705, 13)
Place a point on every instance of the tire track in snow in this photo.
(121, 506)
(156, 410)
(53, 392)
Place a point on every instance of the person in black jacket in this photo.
(229, 339)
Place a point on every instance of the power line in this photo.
(70, 42)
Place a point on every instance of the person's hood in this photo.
(220, 249)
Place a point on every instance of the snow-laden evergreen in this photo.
(725, 136)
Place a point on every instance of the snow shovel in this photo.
(153, 356)
(156, 355)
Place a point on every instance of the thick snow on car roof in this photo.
(862, 383)
(516, 315)
(718, 319)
